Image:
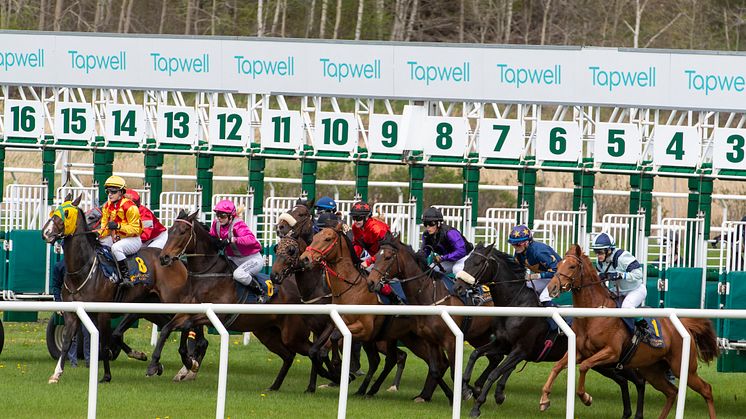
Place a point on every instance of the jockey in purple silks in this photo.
(447, 245)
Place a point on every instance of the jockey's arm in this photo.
(131, 228)
(146, 219)
(630, 268)
(458, 244)
(548, 263)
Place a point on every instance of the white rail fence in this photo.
(335, 311)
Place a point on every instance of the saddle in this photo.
(476, 296)
(139, 271)
(259, 291)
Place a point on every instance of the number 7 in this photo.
(504, 129)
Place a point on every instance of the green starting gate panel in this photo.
(732, 361)
(653, 299)
(735, 300)
(684, 288)
(26, 262)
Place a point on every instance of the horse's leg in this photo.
(607, 355)
(441, 366)
(315, 353)
(117, 339)
(272, 339)
(401, 361)
(612, 374)
(373, 360)
(71, 329)
(544, 402)
(494, 360)
(694, 381)
(184, 354)
(656, 375)
(104, 327)
(468, 391)
(155, 366)
(630, 375)
(390, 363)
(505, 368)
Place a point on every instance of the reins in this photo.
(321, 260)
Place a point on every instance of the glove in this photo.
(222, 244)
(113, 225)
(437, 259)
(431, 258)
(613, 276)
(534, 277)
(367, 262)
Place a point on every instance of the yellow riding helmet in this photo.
(116, 182)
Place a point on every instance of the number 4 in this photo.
(676, 146)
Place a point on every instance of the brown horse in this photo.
(211, 280)
(85, 280)
(313, 289)
(332, 249)
(601, 340)
(297, 222)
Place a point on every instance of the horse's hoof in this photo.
(467, 393)
(138, 355)
(475, 413)
(154, 369)
(195, 366)
(419, 399)
(392, 389)
(310, 390)
(180, 375)
(543, 406)
(105, 380)
(586, 399)
(499, 398)
(327, 385)
(53, 380)
(190, 376)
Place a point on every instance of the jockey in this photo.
(324, 205)
(537, 257)
(154, 234)
(120, 222)
(239, 245)
(448, 246)
(623, 271)
(367, 232)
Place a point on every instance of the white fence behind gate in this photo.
(173, 202)
(274, 206)
(459, 217)
(682, 243)
(497, 225)
(25, 207)
(244, 204)
(561, 229)
(733, 246)
(401, 217)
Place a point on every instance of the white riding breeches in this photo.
(157, 242)
(454, 267)
(247, 267)
(635, 297)
(540, 286)
(124, 247)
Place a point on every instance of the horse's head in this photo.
(570, 272)
(63, 221)
(180, 238)
(297, 222)
(390, 261)
(287, 257)
(476, 268)
(325, 247)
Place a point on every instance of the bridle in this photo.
(576, 275)
(321, 260)
(385, 275)
(193, 237)
(292, 267)
(489, 258)
(305, 220)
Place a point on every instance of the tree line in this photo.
(685, 24)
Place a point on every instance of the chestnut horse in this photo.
(85, 280)
(521, 338)
(601, 340)
(332, 249)
(211, 280)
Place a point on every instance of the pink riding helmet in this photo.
(226, 206)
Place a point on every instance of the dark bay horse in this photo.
(211, 280)
(85, 281)
(600, 340)
(313, 289)
(332, 249)
(521, 338)
(397, 262)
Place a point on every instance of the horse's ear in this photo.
(490, 247)
(577, 250)
(68, 197)
(76, 202)
(339, 227)
(193, 216)
(479, 245)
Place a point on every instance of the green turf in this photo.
(25, 366)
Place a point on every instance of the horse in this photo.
(297, 222)
(85, 280)
(397, 262)
(211, 280)
(521, 338)
(332, 249)
(313, 289)
(609, 336)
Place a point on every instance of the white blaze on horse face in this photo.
(47, 231)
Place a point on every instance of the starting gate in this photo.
(681, 262)
(244, 205)
(628, 231)
(173, 202)
(458, 216)
(561, 229)
(499, 222)
(402, 219)
(733, 291)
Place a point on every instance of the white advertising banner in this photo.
(564, 75)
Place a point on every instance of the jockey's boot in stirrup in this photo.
(641, 329)
(124, 273)
(549, 303)
(254, 286)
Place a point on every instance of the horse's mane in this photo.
(518, 270)
(355, 259)
(395, 242)
(587, 262)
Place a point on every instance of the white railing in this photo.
(628, 230)
(401, 218)
(733, 247)
(173, 202)
(459, 217)
(25, 207)
(335, 311)
(560, 229)
(244, 204)
(497, 225)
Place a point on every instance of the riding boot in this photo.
(549, 303)
(254, 286)
(124, 274)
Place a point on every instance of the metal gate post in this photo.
(344, 379)
(256, 184)
(416, 180)
(641, 196)
(205, 163)
(362, 171)
(582, 195)
(2, 170)
(527, 192)
(48, 156)
(154, 178)
(458, 362)
(223, 362)
(308, 176)
(93, 371)
(700, 200)
(684, 372)
(471, 187)
(103, 167)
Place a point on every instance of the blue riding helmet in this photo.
(603, 241)
(519, 234)
(326, 203)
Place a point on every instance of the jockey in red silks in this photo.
(367, 232)
(154, 234)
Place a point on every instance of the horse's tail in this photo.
(704, 338)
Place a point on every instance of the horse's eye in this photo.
(274, 249)
(291, 251)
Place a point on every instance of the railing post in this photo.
(458, 363)
(223, 361)
(684, 372)
(344, 379)
(571, 353)
(93, 371)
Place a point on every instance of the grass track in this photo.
(25, 366)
